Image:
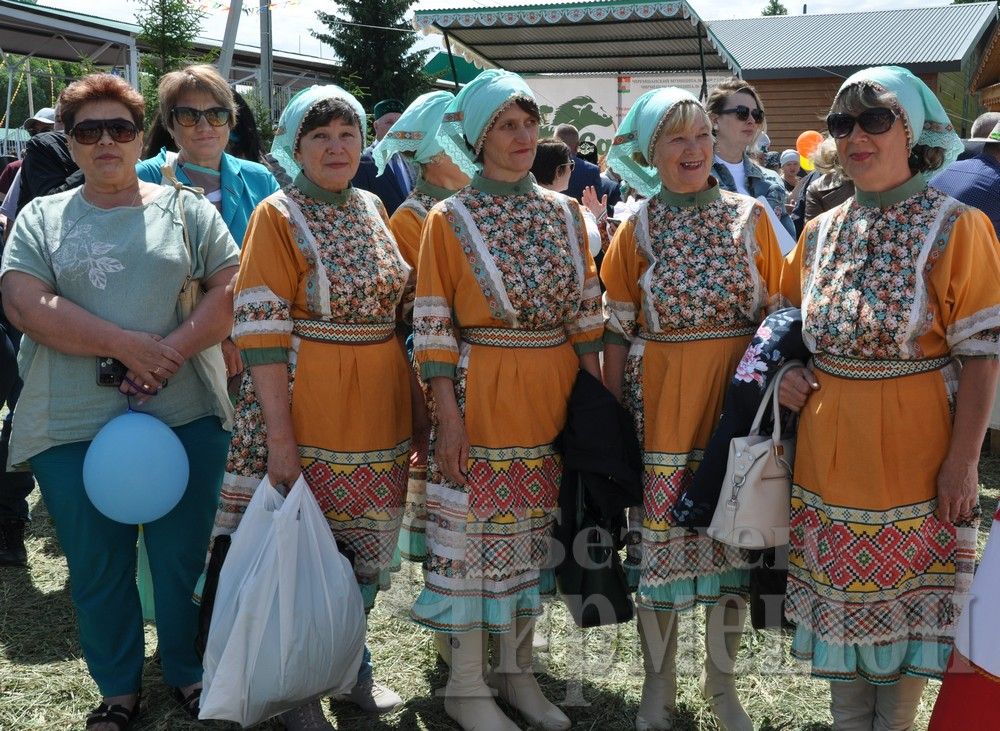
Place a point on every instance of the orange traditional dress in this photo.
(321, 287)
(506, 264)
(893, 286)
(688, 279)
(406, 224)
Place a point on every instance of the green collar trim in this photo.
(498, 187)
(434, 191)
(336, 198)
(891, 197)
(201, 169)
(691, 200)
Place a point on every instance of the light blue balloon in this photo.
(136, 469)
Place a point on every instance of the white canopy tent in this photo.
(585, 36)
(34, 31)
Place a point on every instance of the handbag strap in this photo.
(771, 395)
(168, 176)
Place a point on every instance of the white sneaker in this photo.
(306, 718)
(373, 698)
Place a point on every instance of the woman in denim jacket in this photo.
(737, 116)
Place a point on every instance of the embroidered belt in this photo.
(508, 337)
(876, 370)
(687, 334)
(345, 333)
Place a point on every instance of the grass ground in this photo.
(595, 675)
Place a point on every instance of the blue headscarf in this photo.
(638, 133)
(471, 114)
(289, 129)
(926, 121)
(415, 131)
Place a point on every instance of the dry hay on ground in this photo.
(595, 675)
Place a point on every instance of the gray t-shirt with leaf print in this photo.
(126, 265)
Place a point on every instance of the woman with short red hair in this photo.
(93, 274)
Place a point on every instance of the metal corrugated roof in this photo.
(580, 37)
(922, 39)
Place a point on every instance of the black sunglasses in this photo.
(189, 116)
(743, 113)
(91, 131)
(874, 121)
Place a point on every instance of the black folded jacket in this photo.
(602, 477)
(599, 445)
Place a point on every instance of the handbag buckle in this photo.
(779, 450)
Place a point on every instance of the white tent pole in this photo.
(266, 58)
(133, 63)
(229, 38)
(31, 96)
(10, 91)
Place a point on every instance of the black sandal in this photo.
(190, 703)
(119, 715)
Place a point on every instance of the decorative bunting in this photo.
(209, 6)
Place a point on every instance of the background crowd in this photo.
(401, 324)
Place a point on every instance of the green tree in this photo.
(48, 79)
(369, 50)
(774, 8)
(167, 29)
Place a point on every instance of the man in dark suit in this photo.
(396, 181)
(976, 180)
(584, 173)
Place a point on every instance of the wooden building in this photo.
(986, 80)
(797, 62)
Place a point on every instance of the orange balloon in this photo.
(807, 142)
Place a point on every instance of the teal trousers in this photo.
(101, 554)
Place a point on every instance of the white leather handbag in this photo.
(754, 505)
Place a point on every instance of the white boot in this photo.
(896, 705)
(442, 643)
(723, 631)
(514, 679)
(658, 637)
(467, 699)
(852, 705)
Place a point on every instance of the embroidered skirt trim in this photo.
(876, 370)
(506, 337)
(688, 334)
(345, 333)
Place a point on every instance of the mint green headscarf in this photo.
(470, 115)
(286, 134)
(926, 121)
(638, 133)
(415, 131)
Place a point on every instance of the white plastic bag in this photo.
(288, 624)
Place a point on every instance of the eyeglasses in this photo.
(189, 116)
(571, 165)
(743, 113)
(874, 121)
(90, 131)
